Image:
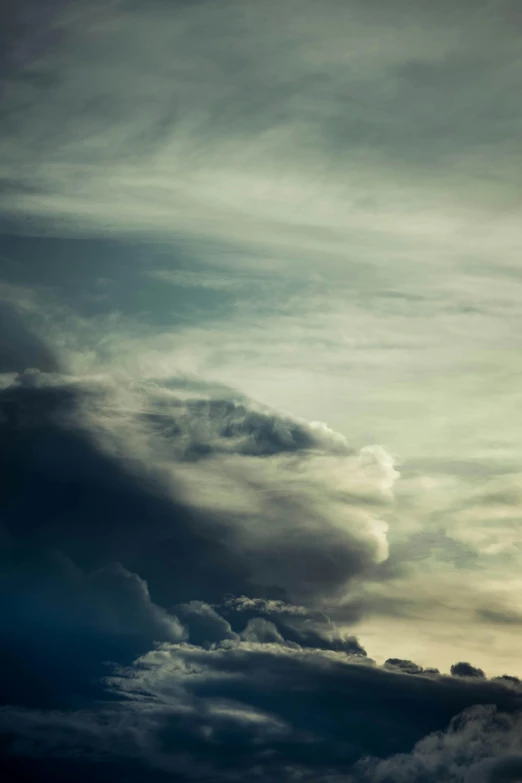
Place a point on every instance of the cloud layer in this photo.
(225, 663)
(221, 225)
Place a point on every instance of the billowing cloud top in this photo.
(197, 543)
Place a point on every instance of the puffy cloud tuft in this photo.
(463, 669)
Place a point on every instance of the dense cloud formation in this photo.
(314, 201)
(100, 530)
(464, 669)
(186, 635)
(293, 624)
(247, 490)
(263, 709)
(481, 745)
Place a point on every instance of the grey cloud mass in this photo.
(260, 307)
(278, 681)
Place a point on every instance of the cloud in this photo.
(463, 669)
(286, 622)
(80, 621)
(131, 511)
(295, 510)
(480, 745)
(225, 660)
(269, 710)
(205, 625)
(317, 204)
(218, 462)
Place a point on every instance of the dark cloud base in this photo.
(137, 645)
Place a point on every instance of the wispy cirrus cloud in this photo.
(272, 128)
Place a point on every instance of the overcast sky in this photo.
(261, 277)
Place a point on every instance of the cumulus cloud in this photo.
(265, 709)
(409, 667)
(482, 745)
(173, 124)
(297, 511)
(205, 625)
(109, 546)
(464, 669)
(324, 198)
(225, 661)
(81, 620)
(290, 623)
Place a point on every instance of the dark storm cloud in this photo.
(244, 709)
(505, 770)
(264, 620)
(101, 562)
(481, 745)
(98, 557)
(292, 623)
(78, 621)
(204, 624)
(170, 551)
(464, 669)
(205, 428)
(126, 508)
(69, 514)
(62, 492)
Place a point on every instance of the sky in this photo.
(260, 317)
